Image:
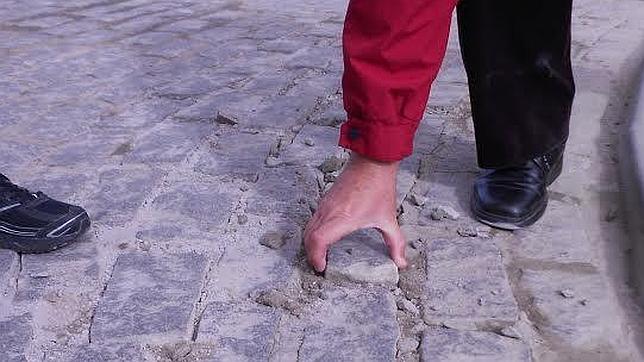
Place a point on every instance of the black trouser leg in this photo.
(517, 58)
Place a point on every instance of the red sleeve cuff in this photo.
(378, 141)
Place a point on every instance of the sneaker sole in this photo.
(44, 245)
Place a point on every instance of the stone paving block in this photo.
(311, 146)
(258, 267)
(573, 307)
(362, 257)
(445, 189)
(560, 236)
(241, 331)
(67, 272)
(449, 345)
(283, 191)
(207, 205)
(355, 325)
(466, 285)
(107, 352)
(120, 193)
(149, 295)
(240, 155)
(170, 142)
(8, 261)
(15, 336)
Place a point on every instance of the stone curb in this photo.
(632, 174)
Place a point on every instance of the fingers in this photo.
(320, 236)
(395, 241)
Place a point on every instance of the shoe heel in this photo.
(555, 172)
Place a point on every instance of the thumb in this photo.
(395, 241)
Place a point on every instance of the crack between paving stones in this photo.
(276, 339)
(299, 348)
(16, 283)
(200, 309)
(98, 301)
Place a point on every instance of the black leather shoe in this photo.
(514, 197)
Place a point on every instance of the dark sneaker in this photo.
(514, 197)
(34, 223)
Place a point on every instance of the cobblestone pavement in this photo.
(199, 135)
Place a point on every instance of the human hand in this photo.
(363, 196)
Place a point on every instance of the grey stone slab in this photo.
(120, 192)
(149, 295)
(207, 205)
(8, 261)
(445, 189)
(259, 267)
(583, 318)
(170, 142)
(559, 236)
(362, 257)
(355, 325)
(16, 333)
(240, 155)
(283, 191)
(311, 146)
(242, 331)
(467, 285)
(72, 271)
(449, 345)
(107, 352)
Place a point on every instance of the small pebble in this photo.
(567, 293)
(444, 212)
(417, 199)
(331, 164)
(273, 239)
(481, 301)
(272, 161)
(407, 345)
(243, 188)
(309, 142)
(242, 219)
(510, 332)
(407, 306)
(584, 302)
(39, 275)
(467, 231)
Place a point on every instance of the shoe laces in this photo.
(14, 193)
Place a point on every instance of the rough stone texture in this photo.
(107, 352)
(149, 294)
(467, 285)
(449, 345)
(237, 155)
(15, 335)
(8, 261)
(324, 142)
(362, 257)
(352, 326)
(241, 331)
(572, 320)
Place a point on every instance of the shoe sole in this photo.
(505, 223)
(44, 245)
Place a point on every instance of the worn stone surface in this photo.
(449, 345)
(362, 257)
(572, 307)
(356, 325)
(149, 294)
(8, 262)
(312, 146)
(15, 335)
(241, 331)
(467, 285)
(107, 352)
